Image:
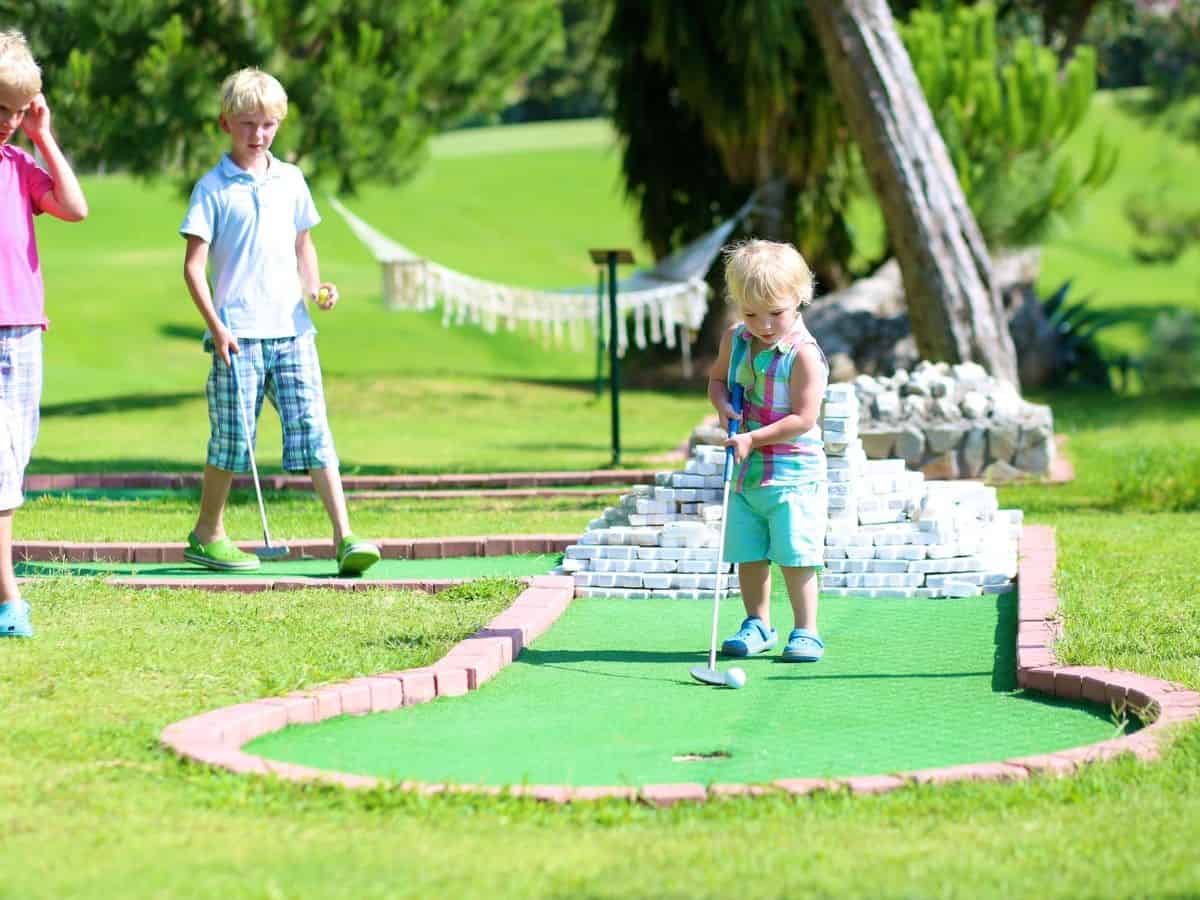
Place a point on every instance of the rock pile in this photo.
(954, 421)
(891, 532)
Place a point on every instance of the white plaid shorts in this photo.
(20, 395)
(286, 371)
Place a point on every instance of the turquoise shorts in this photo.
(784, 523)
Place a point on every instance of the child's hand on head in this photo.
(742, 444)
(326, 296)
(36, 123)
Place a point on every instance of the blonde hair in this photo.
(249, 90)
(18, 71)
(762, 275)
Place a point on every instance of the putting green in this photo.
(604, 698)
(465, 567)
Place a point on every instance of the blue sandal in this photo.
(14, 620)
(803, 646)
(753, 637)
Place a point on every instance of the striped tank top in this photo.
(765, 377)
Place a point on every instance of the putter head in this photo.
(705, 675)
(269, 553)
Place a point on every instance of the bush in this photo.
(1173, 361)
(1005, 115)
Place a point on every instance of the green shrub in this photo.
(1005, 120)
(1173, 361)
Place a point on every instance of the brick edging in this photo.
(461, 482)
(172, 552)
(216, 737)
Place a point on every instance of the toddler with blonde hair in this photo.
(778, 507)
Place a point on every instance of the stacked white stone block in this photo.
(661, 541)
(891, 532)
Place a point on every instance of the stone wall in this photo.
(954, 421)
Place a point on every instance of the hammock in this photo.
(670, 296)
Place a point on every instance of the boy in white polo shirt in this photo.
(250, 217)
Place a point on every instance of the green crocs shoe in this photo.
(355, 556)
(220, 554)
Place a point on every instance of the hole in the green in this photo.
(698, 757)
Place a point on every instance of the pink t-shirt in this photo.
(22, 184)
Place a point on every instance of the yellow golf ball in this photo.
(323, 295)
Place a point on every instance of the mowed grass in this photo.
(1094, 247)
(125, 372)
(300, 515)
(82, 778)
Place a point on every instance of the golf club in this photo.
(709, 674)
(268, 552)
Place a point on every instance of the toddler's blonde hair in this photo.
(249, 90)
(18, 71)
(762, 275)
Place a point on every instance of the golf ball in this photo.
(735, 678)
(323, 295)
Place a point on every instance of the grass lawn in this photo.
(299, 515)
(125, 372)
(81, 776)
(91, 806)
(1094, 249)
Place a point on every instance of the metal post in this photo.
(599, 332)
(614, 364)
(610, 259)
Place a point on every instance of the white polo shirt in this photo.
(250, 225)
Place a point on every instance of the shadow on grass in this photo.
(572, 660)
(123, 403)
(183, 332)
(157, 570)
(1004, 655)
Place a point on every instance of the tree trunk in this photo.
(952, 299)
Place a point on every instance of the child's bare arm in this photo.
(195, 275)
(718, 374)
(65, 200)
(807, 387)
(324, 292)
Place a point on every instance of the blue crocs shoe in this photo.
(753, 637)
(14, 620)
(803, 646)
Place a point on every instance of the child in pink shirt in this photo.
(26, 189)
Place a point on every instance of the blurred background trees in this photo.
(134, 82)
(707, 106)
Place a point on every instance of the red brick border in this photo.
(216, 737)
(456, 485)
(418, 548)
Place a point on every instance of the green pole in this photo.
(614, 364)
(599, 331)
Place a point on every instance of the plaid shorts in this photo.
(20, 394)
(286, 371)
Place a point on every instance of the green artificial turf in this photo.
(465, 567)
(605, 698)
